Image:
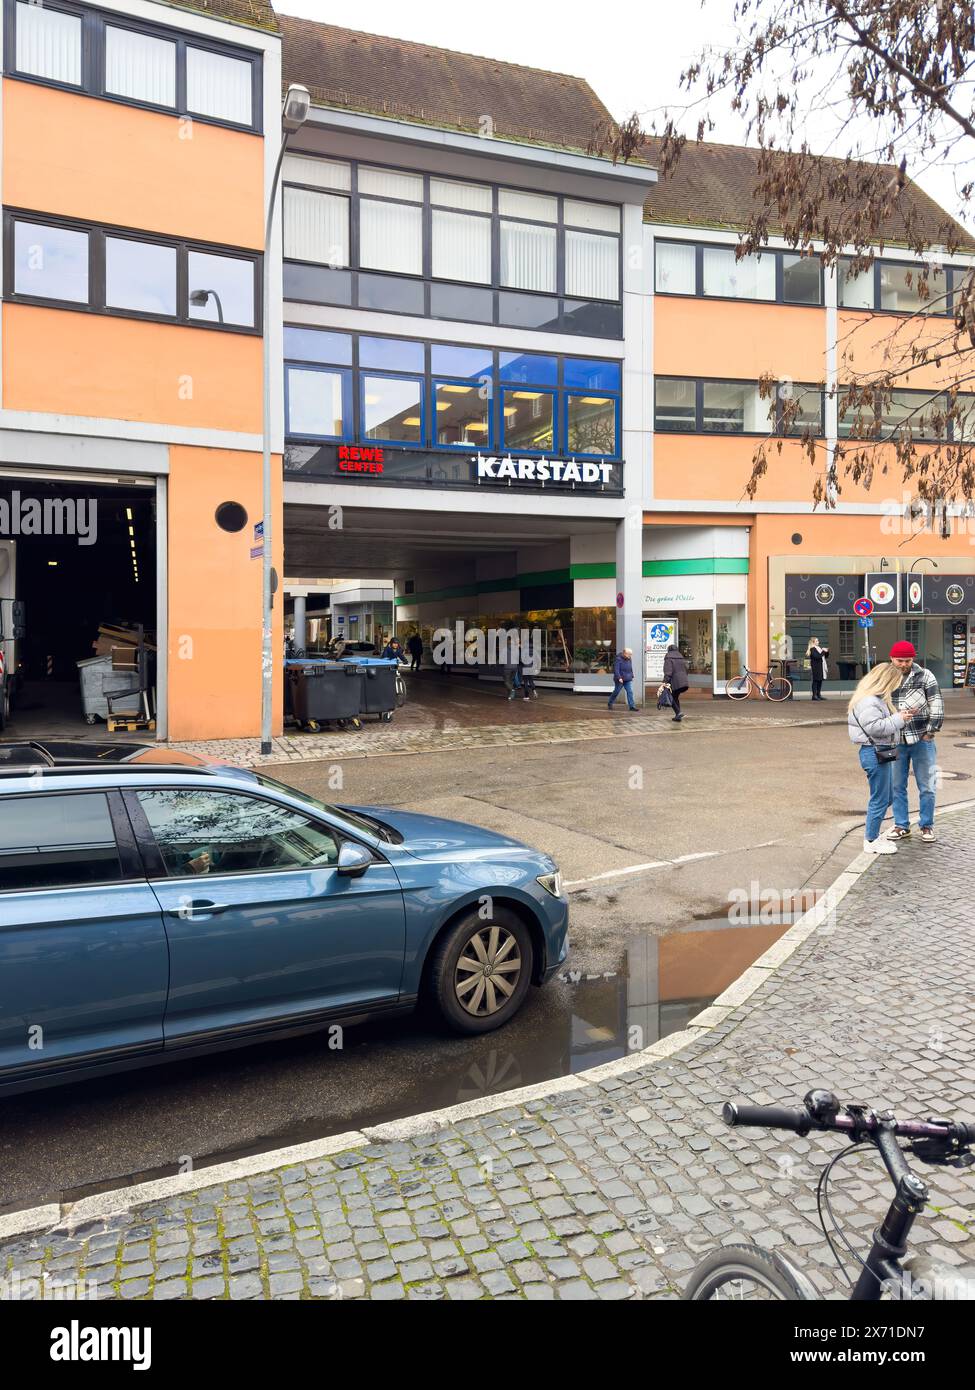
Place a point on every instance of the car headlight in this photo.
(552, 883)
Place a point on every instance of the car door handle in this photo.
(197, 905)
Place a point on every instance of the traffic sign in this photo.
(863, 607)
(866, 622)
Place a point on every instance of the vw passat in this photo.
(152, 910)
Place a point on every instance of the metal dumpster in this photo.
(99, 681)
(323, 692)
(378, 684)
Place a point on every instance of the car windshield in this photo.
(366, 823)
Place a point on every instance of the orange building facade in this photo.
(134, 173)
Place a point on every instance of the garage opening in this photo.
(77, 608)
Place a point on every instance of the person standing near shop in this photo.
(876, 726)
(623, 678)
(816, 656)
(675, 675)
(917, 749)
(414, 646)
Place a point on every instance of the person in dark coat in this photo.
(623, 677)
(817, 661)
(393, 651)
(414, 646)
(675, 675)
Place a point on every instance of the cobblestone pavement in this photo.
(612, 1190)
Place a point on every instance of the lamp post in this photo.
(918, 561)
(198, 298)
(294, 113)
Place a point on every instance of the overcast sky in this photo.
(631, 52)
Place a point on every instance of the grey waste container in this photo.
(323, 692)
(378, 684)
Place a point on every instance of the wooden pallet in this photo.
(118, 724)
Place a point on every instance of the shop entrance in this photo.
(77, 580)
(940, 643)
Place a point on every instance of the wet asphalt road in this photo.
(599, 807)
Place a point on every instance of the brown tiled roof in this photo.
(259, 14)
(371, 73)
(714, 186)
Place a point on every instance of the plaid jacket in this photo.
(930, 718)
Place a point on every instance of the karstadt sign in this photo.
(496, 469)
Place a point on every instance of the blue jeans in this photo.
(880, 779)
(623, 685)
(923, 758)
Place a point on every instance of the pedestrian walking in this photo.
(512, 662)
(414, 646)
(675, 676)
(920, 693)
(875, 725)
(816, 656)
(623, 678)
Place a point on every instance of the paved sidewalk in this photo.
(612, 1189)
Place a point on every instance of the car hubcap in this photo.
(488, 971)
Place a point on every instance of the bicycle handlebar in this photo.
(802, 1121)
(767, 1117)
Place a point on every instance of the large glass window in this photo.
(221, 288)
(913, 289)
(676, 405)
(801, 280)
(202, 833)
(907, 412)
(855, 287)
(462, 414)
(316, 402)
(528, 256)
(461, 246)
(592, 425)
(51, 262)
(474, 363)
(529, 367)
(675, 267)
(57, 842)
(315, 345)
(752, 277)
(48, 43)
(390, 237)
(316, 227)
(392, 409)
(140, 275)
(591, 265)
(391, 354)
(218, 86)
(140, 66)
(529, 420)
(735, 407)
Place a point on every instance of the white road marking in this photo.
(668, 863)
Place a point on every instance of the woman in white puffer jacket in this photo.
(874, 722)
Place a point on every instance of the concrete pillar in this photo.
(629, 583)
(301, 630)
(637, 434)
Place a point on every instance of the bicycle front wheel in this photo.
(747, 1274)
(779, 688)
(738, 688)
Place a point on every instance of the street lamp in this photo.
(294, 113)
(918, 561)
(198, 299)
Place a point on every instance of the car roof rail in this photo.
(35, 770)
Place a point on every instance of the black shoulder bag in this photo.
(886, 752)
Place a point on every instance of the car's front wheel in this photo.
(481, 971)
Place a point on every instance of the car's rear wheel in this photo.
(481, 971)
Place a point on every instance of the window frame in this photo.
(777, 252)
(348, 421)
(97, 234)
(568, 393)
(497, 386)
(519, 449)
(93, 61)
(775, 429)
(876, 270)
(381, 375)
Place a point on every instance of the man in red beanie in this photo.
(916, 748)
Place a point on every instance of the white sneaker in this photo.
(879, 847)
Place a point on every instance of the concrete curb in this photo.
(819, 918)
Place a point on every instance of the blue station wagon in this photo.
(153, 909)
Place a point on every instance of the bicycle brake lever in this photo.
(939, 1153)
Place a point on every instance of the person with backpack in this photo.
(623, 678)
(675, 678)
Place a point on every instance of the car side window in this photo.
(57, 841)
(214, 832)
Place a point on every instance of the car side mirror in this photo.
(353, 859)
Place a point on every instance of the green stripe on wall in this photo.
(535, 579)
(598, 571)
(732, 565)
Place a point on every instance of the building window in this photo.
(529, 420)
(592, 269)
(390, 232)
(146, 64)
(102, 271)
(317, 402)
(316, 227)
(908, 413)
(771, 276)
(50, 262)
(902, 287)
(221, 289)
(684, 405)
(461, 247)
(443, 396)
(140, 275)
(392, 409)
(528, 257)
(140, 66)
(219, 86)
(48, 43)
